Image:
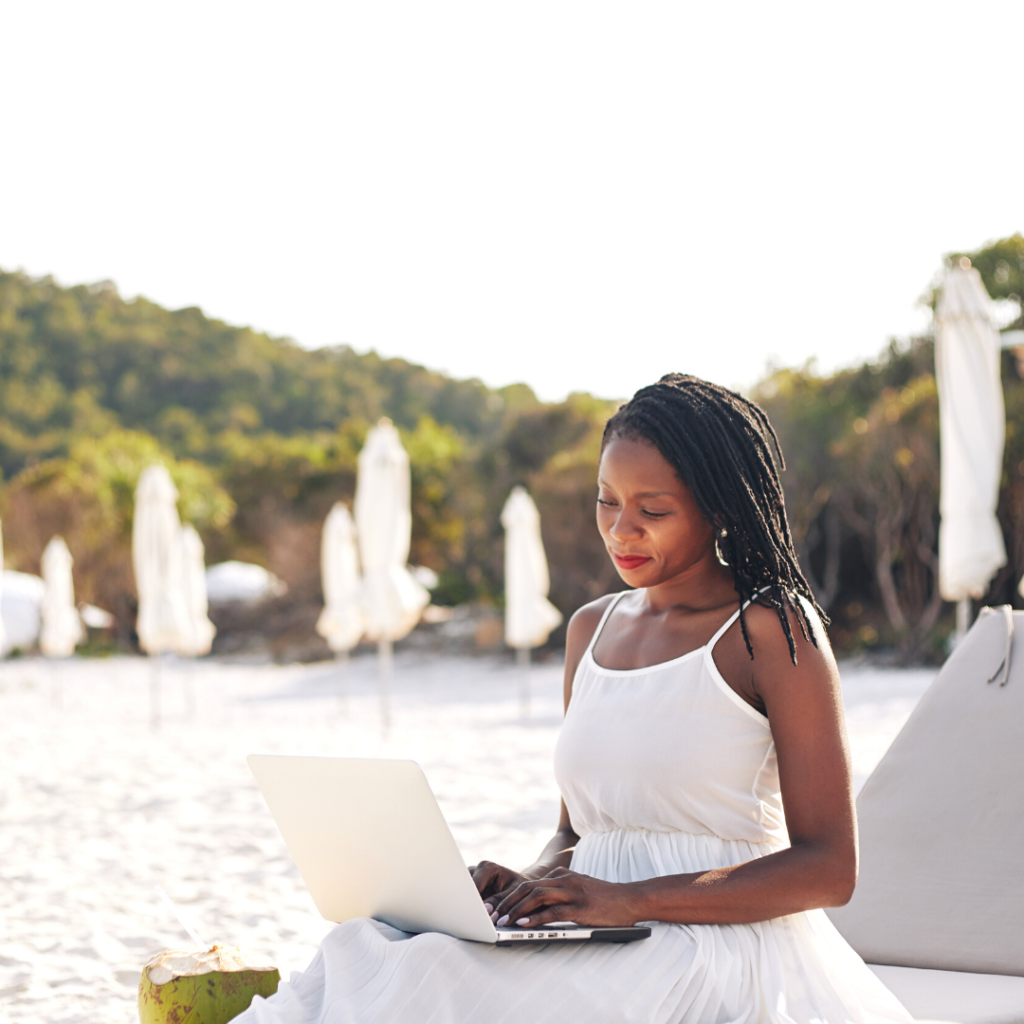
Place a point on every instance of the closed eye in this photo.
(654, 515)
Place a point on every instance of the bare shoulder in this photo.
(764, 627)
(583, 625)
(773, 667)
(579, 633)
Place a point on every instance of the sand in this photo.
(97, 807)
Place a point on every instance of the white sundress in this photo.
(664, 770)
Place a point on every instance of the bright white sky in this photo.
(581, 196)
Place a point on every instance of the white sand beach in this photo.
(97, 808)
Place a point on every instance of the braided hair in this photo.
(725, 451)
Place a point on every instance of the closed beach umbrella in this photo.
(972, 423)
(529, 615)
(392, 598)
(162, 622)
(341, 621)
(199, 630)
(61, 625)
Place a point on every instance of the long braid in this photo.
(727, 453)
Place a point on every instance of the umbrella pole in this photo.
(189, 685)
(56, 684)
(963, 618)
(523, 662)
(154, 692)
(384, 656)
(341, 660)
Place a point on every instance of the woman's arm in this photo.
(804, 707)
(558, 851)
(495, 882)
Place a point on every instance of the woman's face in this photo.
(648, 518)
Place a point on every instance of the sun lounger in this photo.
(956, 996)
(940, 899)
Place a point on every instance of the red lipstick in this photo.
(630, 562)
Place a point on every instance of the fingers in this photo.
(503, 902)
(492, 879)
(485, 875)
(547, 915)
(495, 899)
(526, 900)
(511, 884)
(563, 895)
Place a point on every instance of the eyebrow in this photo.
(645, 494)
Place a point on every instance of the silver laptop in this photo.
(370, 841)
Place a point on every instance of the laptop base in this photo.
(575, 933)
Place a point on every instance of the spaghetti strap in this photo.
(732, 618)
(604, 618)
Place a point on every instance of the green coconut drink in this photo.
(208, 987)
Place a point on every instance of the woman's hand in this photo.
(493, 881)
(564, 895)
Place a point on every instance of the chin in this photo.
(641, 577)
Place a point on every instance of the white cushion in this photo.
(954, 997)
(942, 822)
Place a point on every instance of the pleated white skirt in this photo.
(791, 970)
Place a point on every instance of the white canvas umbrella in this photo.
(162, 622)
(199, 630)
(341, 623)
(392, 598)
(61, 625)
(972, 424)
(529, 615)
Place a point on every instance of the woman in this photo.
(699, 705)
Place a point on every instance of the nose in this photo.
(625, 525)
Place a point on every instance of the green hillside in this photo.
(82, 359)
(261, 437)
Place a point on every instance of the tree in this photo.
(1001, 265)
(88, 498)
(890, 497)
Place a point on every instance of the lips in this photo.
(630, 561)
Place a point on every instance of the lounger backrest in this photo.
(942, 821)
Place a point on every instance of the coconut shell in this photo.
(208, 987)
